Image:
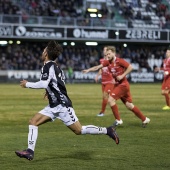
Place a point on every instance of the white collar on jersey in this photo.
(48, 61)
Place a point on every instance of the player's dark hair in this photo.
(53, 50)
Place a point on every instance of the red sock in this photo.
(104, 104)
(115, 112)
(138, 113)
(167, 99)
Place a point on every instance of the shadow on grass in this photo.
(84, 155)
(80, 155)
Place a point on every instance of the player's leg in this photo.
(127, 100)
(78, 129)
(34, 122)
(104, 101)
(165, 92)
(69, 118)
(107, 88)
(145, 120)
(116, 94)
(167, 99)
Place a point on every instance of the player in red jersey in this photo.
(119, 69)
(166, 80)
(107, 82)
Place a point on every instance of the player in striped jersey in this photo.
(60, 106)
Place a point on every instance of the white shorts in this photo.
(66, 115)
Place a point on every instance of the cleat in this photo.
(111, 132)
(145, 122)
(117, 122)
(166, 108)
(28, 154)
(100, 114)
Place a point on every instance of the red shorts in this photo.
(107, 87)
(166, 84)
(122, 92)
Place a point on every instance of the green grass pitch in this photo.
(60, 149)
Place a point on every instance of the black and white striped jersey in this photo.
(53, 80)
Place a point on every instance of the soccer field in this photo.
(60, 149)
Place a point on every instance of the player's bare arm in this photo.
(127, 71)
(95, 68)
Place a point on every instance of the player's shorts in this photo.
(107, 87)
(122, 92)
(66, 115)
(166, 84)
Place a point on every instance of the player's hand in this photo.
(120, 77)
(45, 96)
(23, 83)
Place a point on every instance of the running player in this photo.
(60, 106)
(107, 82)
(119, 69)
(166, 80)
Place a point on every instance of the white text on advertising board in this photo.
(142, 77)
(5, 30)
(81, 33)
(23, 74)
(143, 34)
(48, 33)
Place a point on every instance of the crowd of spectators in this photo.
(57, 8)
(149, 11)
(156, 11)
(54, 12)
(27, 56)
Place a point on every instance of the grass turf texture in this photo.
(59, 148)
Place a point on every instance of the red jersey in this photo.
(166, 66)
(117, 67)
(106, 76)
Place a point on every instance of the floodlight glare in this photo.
(91, 43)
(92, 10)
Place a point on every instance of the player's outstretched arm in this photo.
(42, 84)
(95, 68)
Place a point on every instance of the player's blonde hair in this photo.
(112, 48)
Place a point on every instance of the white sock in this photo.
(32, 136)
(93, 130)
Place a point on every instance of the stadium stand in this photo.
(149, 14)
(139, 13)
